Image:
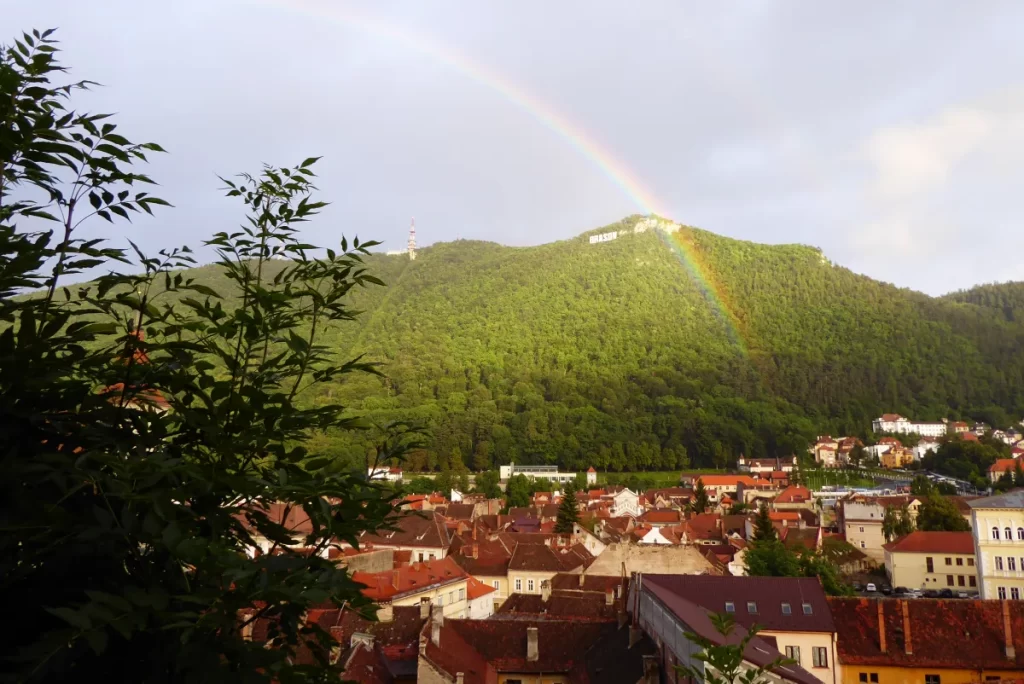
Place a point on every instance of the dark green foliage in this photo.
(771, 558)
(966, 460)
(724, 663)
(922, 486)
(763, 528)
(487, 484)
(568, 511)
(897, 522)
(700, 501)
(519, 491)
(127, 546)
(937, 514)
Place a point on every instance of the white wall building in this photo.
(895, 423)
(923, 447)
(391, 474)
(626, 502)
(506, 472)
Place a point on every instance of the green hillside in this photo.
(610, 355)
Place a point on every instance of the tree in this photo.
(151, 427)
(770, 558)
(700, 502)
(1018, 474)
(763, 528)
(487, 484)
(518, 491)
(857, 455)
(722, 661)
(937, 514)
(897, 522)
(814, 564)
(568, 511)
(921, 486)
(580, 482)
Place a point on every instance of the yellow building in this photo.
(925, 641)
(998, 527)
(531, 564)
(862, 518)
(442, 583)
(897, 457)
(932, 560)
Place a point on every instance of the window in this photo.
(960, 580)
(931, 565)
(1002, 593)
(751, 607)
(995, 533)
(793, 653)
(1020, 533)
(786, 609)
(949, 580)
(1011, 563)
(1009, 534)
(451, 596)
(970, 562)
(863, 545)
(730, 607)
(807, 609)
(820, 656)
(433, 557)
(496, 584)
(932, 679)
(862, 529)
(1015, 593)
(874, 678)
(440, 599)
(972, 581)
(519, 584)
(421, 556)
(959, 561)
(462, 594)
(873, 675)
(999, 562)
(529, 585)
(949, 561)
(863, 676)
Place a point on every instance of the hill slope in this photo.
(611, 355)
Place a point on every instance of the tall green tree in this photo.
(518, 491)
(700, 501)
(763, 528)
(568, 511)
(721, 660)
(151, 427)
(922, 486)
(487, 484)
(897, 522)
(939, 514)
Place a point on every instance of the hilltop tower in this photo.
(412, 240)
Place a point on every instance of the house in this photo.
(531, 564)
(423, 533)
(860, 519)
(665, 609)
(998, 528)
(681, 559)
(486, 559)
(479, 599)
(929, 641)
(549, 651)
(932, 560)
(825, 455)
(794, 497)
(645, 534)
(386, 473)
(897, 457)
(661, 517)
(924, 447)
(1003, 466)
(793, 611)
(625, 502)
(958, 427)
(669, 497)
(761, 466)
(895, 423)
(440, 582)
(718, 485)
(703, 529)
(571, 601)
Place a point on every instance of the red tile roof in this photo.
(778, 516)
(572, 605)
(475, 589)
(410, 579)
(963, 634)
(661, 515)
(543, 558)
(1003, 465)
(969, 437)
(794, 494)
(933, 542)
(426, 529)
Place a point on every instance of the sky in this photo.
(888, 134)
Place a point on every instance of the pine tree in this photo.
(700, 498)
(568, 511)
(763, 528)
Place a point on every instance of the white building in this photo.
(391, 474)
(925, 446)
(506, 472)
(626, 502)
(897, 424)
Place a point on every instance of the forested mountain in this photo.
(1007, 299)
(611, 355)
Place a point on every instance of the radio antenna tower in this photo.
(412, 240)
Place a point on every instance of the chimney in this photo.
(635, 634)
(908, 645)
(437, 615)
(474, 532)
(424, 608)
(545, 590)
(651, 670)
(532, 646)
(386, 613)
(476, 551)
(881, 628)
(460, 678)
(394, 579)
(609, 597)
(435, 633)
(583, 574)
(1011, 652)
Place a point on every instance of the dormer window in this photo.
(787, 609)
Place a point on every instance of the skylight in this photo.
(807, 609)
(751, 607)
(730, 607)
(787, 609)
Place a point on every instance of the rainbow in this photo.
(616, 171)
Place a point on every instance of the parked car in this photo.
(871, 587)
(946, 594)
(930, 593)
(962, 594)
(857, 586)
(900, 591)
(886, 589)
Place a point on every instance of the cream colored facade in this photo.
(800, 646)
(932, 570)
(500, 584)
(863, 526)
(450, 597)
(528, 581)
(998, 527)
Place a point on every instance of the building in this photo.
(925, 446)
(897, 424)
(531, 564)
(921, 641)
(625, 502)
(791, 610)
(1003, 466)
(506, 472)
(792, 498)
(896, 457)
(761, 466)
(998, 528)
(479, 599)
(487, 561)
(678, 559)
(666, 615)
(387, 473)
(424, 533)
(861, 519)
(573, 599)
(932, 560)
(442, 583)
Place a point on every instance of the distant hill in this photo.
(611, 355)
(1006, 299)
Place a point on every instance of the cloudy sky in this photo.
(890, 134)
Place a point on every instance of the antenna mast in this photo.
(412, 239)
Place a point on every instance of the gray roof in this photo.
(1014, 499)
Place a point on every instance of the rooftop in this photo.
(411, 529)
(1013, 499)
(410, 579)
(933, 542)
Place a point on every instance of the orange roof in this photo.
(794, 494)
(475, 588)
(410, 579)
(968, 436)
(591, 469)
(783, 515)
(933, 542)
(727, 480)
(1004, 465)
